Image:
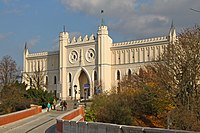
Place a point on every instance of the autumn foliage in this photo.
(163, 94)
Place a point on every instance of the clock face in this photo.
(90, 55)
(73, 56)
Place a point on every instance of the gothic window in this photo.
(30, 82)
(129, 74)
(54, 79)
(70, 77)
(46, 80)
(70, 91)
(38, 65)
(95, 75)
(118, 75)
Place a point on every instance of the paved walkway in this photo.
(40, 123)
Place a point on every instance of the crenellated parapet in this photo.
(38, 54)
(143, 41)
(43, 54)
(86, 39)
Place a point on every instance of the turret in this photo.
(26, 52)
(172, 33)
(63, 41)
(25, 63)
(104, 43)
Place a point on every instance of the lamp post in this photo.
(75, 92)
(85, 91)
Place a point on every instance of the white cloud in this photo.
(33, 41)
(140, 18)
(14, 7)
(4, 36)
(9, 1)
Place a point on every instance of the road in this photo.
(40, 123)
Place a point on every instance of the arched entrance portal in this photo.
(82, 81)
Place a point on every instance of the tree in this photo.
(36, 78)
(14, 98)
(110, 108)
(7, 70)
(140, 102)
(40, 96)
(146, 97)
(179, 73)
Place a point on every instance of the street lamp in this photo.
(75, 91)
(85, 91)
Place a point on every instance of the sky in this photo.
(39, 22)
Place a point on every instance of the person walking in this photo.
(65, 105)
(48, 107)
(54, 104)
(61, 105)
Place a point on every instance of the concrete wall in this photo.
(72, 122)
(8, 118)
(96, 127)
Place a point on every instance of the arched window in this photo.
(39, 66)
(118, 75)
(129, 74)
(95, 75)
(30, 81)
(47, 80)
(70, 91)
(70, 77)
(54, 79)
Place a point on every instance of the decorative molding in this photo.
(144, 41)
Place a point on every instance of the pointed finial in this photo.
(25, 47)
(102, 21)
(63, 28)
(172, 24)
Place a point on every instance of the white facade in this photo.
(93, 63)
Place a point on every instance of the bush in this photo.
(40, 97)
(14, 98)
(110, 109)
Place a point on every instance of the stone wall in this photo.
(75, 115)
(73, 122)
(96, 127)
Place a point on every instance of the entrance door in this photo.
(83, 79)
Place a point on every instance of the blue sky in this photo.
(38, 22)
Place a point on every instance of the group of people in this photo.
(63, 105)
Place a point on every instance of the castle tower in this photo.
(104, 44)
(25, 63)
(63, 41)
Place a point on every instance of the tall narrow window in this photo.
(30, 81)
(47, 80)
(54, 79)
(70, 91)
(95, 75)
(129, 74)
(39, 66)
(118, 75)
(70, 77)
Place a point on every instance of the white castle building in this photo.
(89, 65)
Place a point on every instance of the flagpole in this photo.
(102, 21)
